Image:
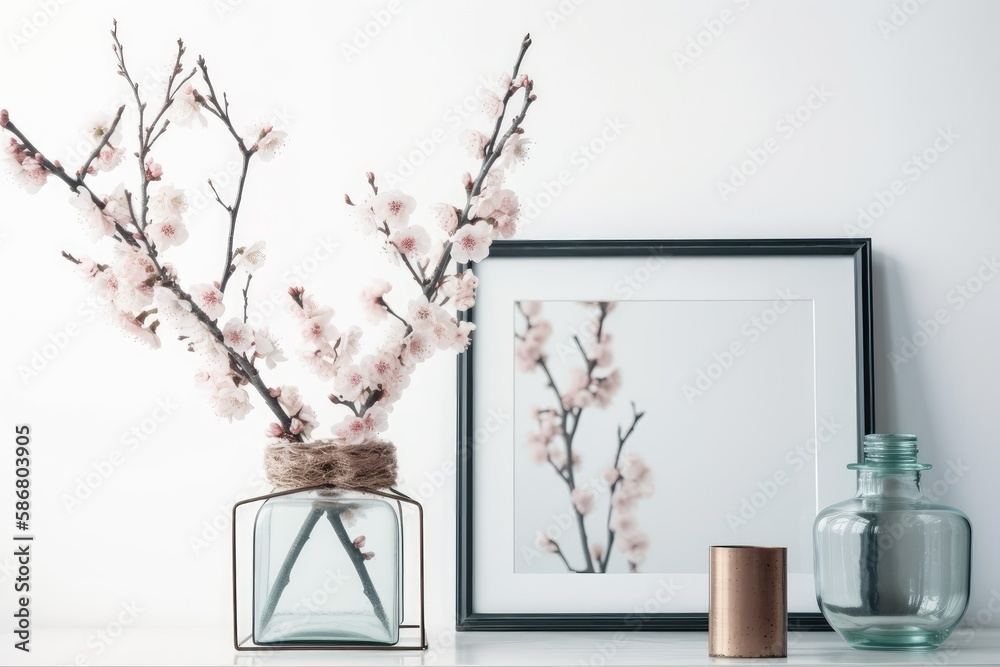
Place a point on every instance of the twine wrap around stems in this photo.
(293, 465)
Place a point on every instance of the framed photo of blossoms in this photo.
(629, 404)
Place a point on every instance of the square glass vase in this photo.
(327, 569)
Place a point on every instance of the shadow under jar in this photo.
(892, 568)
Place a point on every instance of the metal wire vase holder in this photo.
(417, 639)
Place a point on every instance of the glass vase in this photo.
(327, 569)
(892, 568)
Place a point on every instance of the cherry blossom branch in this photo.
(489, 159)
(105, 140)
(636, 416)
(568, 433)
(221, 111)
(74, 183)
(246, 298)
(562, 556)
(240, 364)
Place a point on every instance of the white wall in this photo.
(677, 132)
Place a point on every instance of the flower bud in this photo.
(274, 392)
(275, 430)
(4, 118)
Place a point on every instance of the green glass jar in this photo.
(892, 568)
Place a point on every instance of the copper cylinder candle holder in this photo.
(748, 602)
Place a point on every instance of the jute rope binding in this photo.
(293, 465)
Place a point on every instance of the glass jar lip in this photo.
(888, 453)
(889, 467)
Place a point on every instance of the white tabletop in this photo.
(187, 646)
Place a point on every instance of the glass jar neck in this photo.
(901, 484)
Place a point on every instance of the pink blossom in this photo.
(446, 216)
(577, 393)
(173, 310)
(349, 344)
(492, 105)
(167, 234)
(637, 478)
(154, 171)
(319, 360)
(607, 387)
(411, 242)
(633, 545)
(548, 425)
(423, 314)
(504, 82)
(109, 157)
(99, 128)
(471, 243)
(319, 330)
(238, 336)
(443, 332)
(500, 206)
(417, 347)
(583, 500)
(527, 355)
(349, 382)
(376, 419)
(381, 369)
(134, 269)
(531, 308)
(32, 175)
(460, 337)
(622, 521)
(544, 543)
(461, 289)
(266, 347)
(364, 220)
(539, 332)
(352, 430)
(87, 268)
(600, 353)
(515, 151)
(208, 299)
(168, 203)
(186, 109)
(371, 300)
(393, 208)
(474, 143)
(538, 447)
(269, 141)
(137, 330)
(610, 476)
(230, 401)
(252, 258)
(290, 398)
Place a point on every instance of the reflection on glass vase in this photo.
(327, 569)
(892, 568)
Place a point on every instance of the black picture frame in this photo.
(467, 618)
